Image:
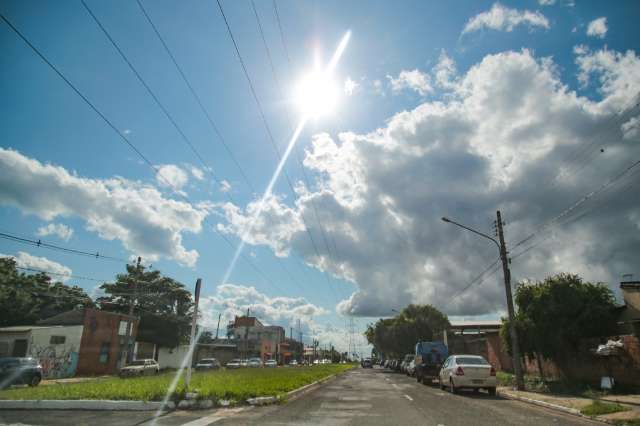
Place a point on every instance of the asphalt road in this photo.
(359, 397)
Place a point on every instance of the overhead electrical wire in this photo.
(268, 131)
(122, 136)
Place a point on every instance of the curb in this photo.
(556, 407)
(307, 388)
(84, 404)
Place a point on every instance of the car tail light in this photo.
(492, 372)
(459, 371)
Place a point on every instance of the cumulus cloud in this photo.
(546, 2)
(197, 173)
(172, 176)
(414, 80)
(597, 27)
(137, 214)
(61, 230)
(501, 18)
(445, 71)
(504, 139)
(26, 260)
(225, 186)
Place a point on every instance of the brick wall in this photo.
(100, 347)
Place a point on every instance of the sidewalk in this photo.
(573, 404)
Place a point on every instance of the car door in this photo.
(444, 371)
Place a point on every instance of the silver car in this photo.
(254, 363)
(468, 371)
(140, 367)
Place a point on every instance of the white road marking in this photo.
(395, 386)
(203, 421)
(408, 397)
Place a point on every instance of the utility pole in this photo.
(515, 347)
(192, 344)
(218, 327)
(125, 349)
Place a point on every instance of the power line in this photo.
(183, 136)
(122, 136)
(40, 243)
(42, 271)
(268, 130)
(214, 127)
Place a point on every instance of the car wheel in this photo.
(418, 378)
(440, 384)
(452, 387)
(35, 381)
(492, 391)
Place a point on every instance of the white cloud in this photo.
(351, 87)
(172, 176)
(59, 229)
(197, 173)
(505, 130)
(501, 18)
(137, 214)
(546, 2)
(413, 80)
(26, 260)
(378, 87)
(631, 128)
(225, 186)
(445, 71)
(597, 27)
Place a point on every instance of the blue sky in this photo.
(44, 120)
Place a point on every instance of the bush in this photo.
(597, 408)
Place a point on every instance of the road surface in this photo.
(367, 397)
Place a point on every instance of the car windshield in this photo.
(139, 362)
(234, 361)
(467, 360)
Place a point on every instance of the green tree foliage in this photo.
(163, 304)
(26, 299)
(556, 314)
(397, 336)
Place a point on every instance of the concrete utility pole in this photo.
(502, 248)
(192, 344)
(125, 350)
(218, 327)
(515, 346)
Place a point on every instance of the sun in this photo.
(316, 94)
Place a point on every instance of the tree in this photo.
(26, 299)
(162, 303)
(555, 315)
(398, 336)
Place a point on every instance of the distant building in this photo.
(254, 339)
(78, 342)
(629, 313)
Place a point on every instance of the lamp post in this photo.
(515, 347)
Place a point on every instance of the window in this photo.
(19, 348)
(104, 352)
(57, 340)
(122, 331)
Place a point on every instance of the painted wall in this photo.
(58, 360)
(172, 357)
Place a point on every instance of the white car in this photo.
(271, 363)
(234, 363)
(293, 363)
(140, 367)
(468, 372)
(254, 363)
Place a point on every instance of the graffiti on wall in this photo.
(57, 361)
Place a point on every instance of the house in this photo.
(254, 339)
(629, 313)
(78, 342)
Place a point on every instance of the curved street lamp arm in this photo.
(473, 230)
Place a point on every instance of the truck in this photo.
(429, 357)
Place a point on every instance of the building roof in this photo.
(245, 321)
(630, 285)
(476, 324)
(25, 328)
(76, 317)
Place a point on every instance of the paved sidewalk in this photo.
(573, 404)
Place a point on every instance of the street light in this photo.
(515, 347)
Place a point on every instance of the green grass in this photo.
(224, 384)
(631, 422)
(597, 408)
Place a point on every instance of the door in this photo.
(19, 348)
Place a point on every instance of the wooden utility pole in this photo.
(218, 327)
(515, 347)
(192, 344)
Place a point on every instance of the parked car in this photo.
(19, 371)
(405, 362)
(366, 363)
(293, 363)
(468, 371)
(429, 359)
(244, 363)
(234, 364)
(410, 369)
(140, 367)
(208, 364)
(398, 365)
(272, 363)
(325, 361)
(254, 363)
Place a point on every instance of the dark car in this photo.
(14, 371)
(366, 363)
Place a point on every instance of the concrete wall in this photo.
(172, 357)
(58, 360)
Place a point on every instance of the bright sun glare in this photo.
(316, 94)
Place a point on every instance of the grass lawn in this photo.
(598, 408)
(223, 384)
